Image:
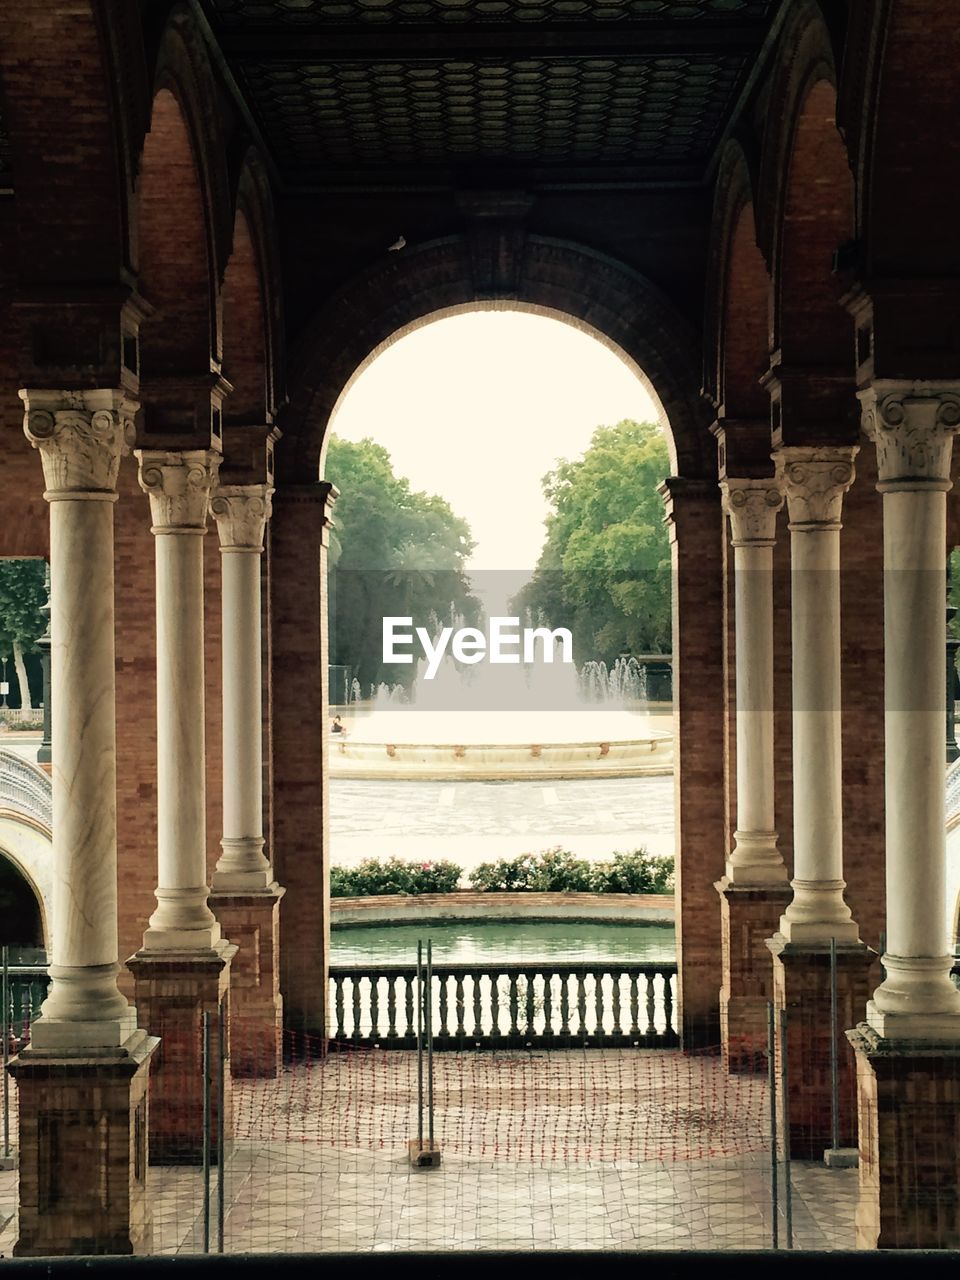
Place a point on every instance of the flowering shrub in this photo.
(373, 878)
(554, 870)
(557, 871)
(634, 872)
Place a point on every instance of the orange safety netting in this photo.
(569, 1105)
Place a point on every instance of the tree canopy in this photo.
(604, 570)
(394, 551)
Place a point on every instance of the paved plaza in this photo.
(597, 1149)
(472, 822)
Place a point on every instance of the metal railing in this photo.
(25, 789)
(493, 1006)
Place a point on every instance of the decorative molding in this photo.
(912, 425)
(752, 506)
(81, 437)
(178, 485)
(814, 481)
(241, 513)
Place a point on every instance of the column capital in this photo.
(912, 423)
(752, 506)
(81, 437)
(241, 512)
(814, 480)
(178, 485)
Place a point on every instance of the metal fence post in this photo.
(774, 1160)
(785, 1117)
(221, 1140)
(206, 1130)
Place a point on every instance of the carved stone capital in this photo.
(752, 506)
(814, 481)
(913, 425)
(81, 437)
(178, 485)
(241, 513)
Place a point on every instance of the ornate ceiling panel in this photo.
(374, 92)
(305, 13)
(535, 111)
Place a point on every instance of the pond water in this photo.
(504, 942)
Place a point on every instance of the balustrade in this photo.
(545, 1006)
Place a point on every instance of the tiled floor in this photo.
(306, 1175)
(285, 1198)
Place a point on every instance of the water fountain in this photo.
(508, 722)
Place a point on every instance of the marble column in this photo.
(913, 426)
(178, 486)
(82, 1082)
(814, 481)
(81, 439)
(182, 970)
(752, 507)
(754, 890)
(245, 895)
(908, 1046)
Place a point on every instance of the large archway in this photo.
(505, 268)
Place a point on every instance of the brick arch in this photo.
(736, 353)
(182, 66)
(175, 269)
(911, 163)
(805, 208)
(568, 282)
(75, 118)
(805, 54)
(252, 325)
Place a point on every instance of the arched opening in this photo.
(21, 924)
(550, 773)
(609, 300)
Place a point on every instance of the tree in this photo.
(393, 552)
(23, 592)
(604, 570)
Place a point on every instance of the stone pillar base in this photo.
(908, 1094)
(801, 985)
(172, 994)
(252, 921)
(748, 916)
(83, 1151)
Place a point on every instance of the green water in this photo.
(504, 942)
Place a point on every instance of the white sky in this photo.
(477, 407)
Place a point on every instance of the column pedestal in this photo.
(173, 993)
(83, 1152)
(908, 1096)
(748, 916)
(801, 985)
(252, 921)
